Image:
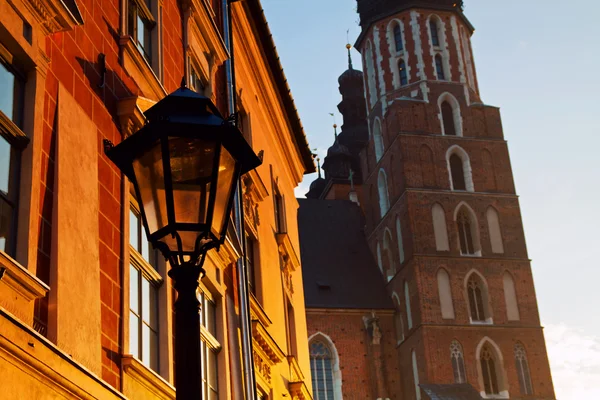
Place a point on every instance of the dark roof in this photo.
(270, 51)
(337, 266)
(457, 391)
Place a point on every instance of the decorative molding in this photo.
(266, 343)
(207, 33)
(299, 391)
(296, 374)
(23, 287)
(54, 15)
(130, 111)
(254, 191)
(257, 313)
(147, 378)
(140, 70)
(287, 251)
(262, 366)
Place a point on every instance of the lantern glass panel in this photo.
(192, 164)
(225, 188)
(149, 174)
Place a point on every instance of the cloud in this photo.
(575, 362)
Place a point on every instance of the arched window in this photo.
(459, 167)
(478, 298)
(448, 119)
(489, 370)
(494, 231)
(416, 376)
(439, 67)
(407, 303)
(379, 258)
(325, 368)
(523, 370)
(435, 34)
(370, 69)
(400, 241)
(398, 322)
(468, 234)
(439, 228)
(402, 72)
(389, 265)
(458, 362)
(384, 198)
(398, 38)
(510, 298)
(445, 292)
(378, 140)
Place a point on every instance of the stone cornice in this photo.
(267, 343)
(299, 391)
(54, 15)
(286, 249)
(147, 378)
(130, 111)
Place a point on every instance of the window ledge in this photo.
(140, 70)
(23, 288)
(503, 395)
(54, 15)
(143, 376)
(475, 255)
(488, 321)
(12, 133)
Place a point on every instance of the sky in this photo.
(538, 61)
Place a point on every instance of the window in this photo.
(11, 144)
(390, 267)
(398, 38)
(290, 316)
(144, 282)
(210, 346)
(468, 235)
(197, 84)
(445, 293)
(458, 362)
(510, 298)
(494, 231)
(439, 68)
(251, 261)
(439, 228)
(523, 370)
(416, 376)
(370, 68)
(435, 36)
(321, 368)
(403, 74)
(384, 199)
(279, 212)
(448, 119)
(379, 258)
(378, 141)
(488, 370)
(477, 295)
(407, 302)
(457, 173)
(400, 241)
(398, 321)
(141, 22)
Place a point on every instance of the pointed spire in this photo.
(349, 46)
(319, 166)
(335, 131)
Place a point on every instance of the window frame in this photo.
(279, 210)
(209, 341)
(139, 11)
(398, 38)
(523, 370)
(457, 359)
(434, 31)
(402, 72)
(313, 364)
(439, 67)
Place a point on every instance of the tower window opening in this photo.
(435, 37)
(458, 362)
(403, 74)
(448, 119)
(321, 365)
(398, 38)
(476, 294)
(465, 233)
(439, 68)
(523, 370)
(488, 370)
(457, 171)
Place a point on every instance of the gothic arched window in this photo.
(400, 241)
(390, 265)
(416, 376)
(398, 320)
(468, 235)
(321, 368)
(448, 119)
(457, 172)
(435, 35)
(440, 231)
(510, 297)
(384, 197)
(439, 67)
(459, 169)
(523, 370)
(407, 303)
(378, 141)
(403, 73)
(494, 231)
(445, 293)
(477, 295)
(489, 371)
(398, 38)
(458, 362)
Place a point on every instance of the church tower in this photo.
(442, 214)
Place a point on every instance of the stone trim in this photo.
(296, 374)
(286, 250)
(142, 73)
(266, 343)
(257, 313)
(299, 391)
(144, 376)
(53, 15)
(131, 111)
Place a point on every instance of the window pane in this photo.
(140, 32)
(153, 350)
(134, 276)
(145, 249)
(133, 230)
(212, 370)
(210, 318)
(6, 212)
(146, 345)
(134, 335)
(7, 85)
(146, 301)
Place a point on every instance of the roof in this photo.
(268, 45)
(337, 266)
(456, 391)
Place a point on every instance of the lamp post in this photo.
(185, 165)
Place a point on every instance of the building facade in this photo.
(441, 218)
(86, 307)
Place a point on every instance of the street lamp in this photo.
(185, 165)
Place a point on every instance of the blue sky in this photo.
(538, 61)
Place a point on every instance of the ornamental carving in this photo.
(262, 367)
(286, 271)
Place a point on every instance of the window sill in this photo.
(475, 255)
(140, 70)
(503, 395)
(11, 132)
(23, 287)
(488, 321)
(137, 378)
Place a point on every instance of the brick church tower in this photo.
(442, 216)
